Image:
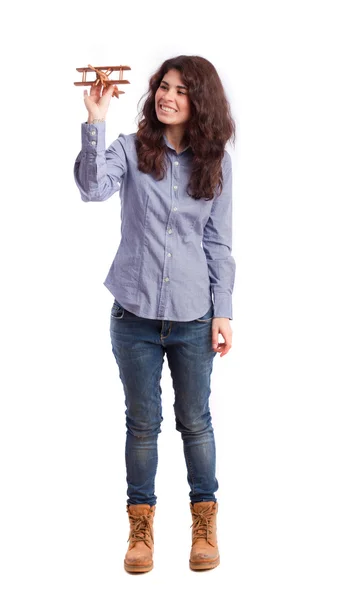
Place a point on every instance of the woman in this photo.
(172, 279)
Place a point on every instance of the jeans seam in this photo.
(190, 470)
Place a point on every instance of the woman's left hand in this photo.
(221, 325)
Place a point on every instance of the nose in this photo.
(168, 95)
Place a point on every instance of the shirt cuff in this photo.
(222, 305)
(93, 137)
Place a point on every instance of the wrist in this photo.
(94, 120)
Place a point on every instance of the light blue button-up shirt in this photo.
(174, 258)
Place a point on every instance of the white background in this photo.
(284, 400)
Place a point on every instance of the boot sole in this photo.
(204, 565)
(138, 568)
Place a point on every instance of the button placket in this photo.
(175, 187)
(170, 229)
(175, 182)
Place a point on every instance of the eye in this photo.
(164, 87)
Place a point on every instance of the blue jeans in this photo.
(139, 345)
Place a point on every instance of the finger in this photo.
(214, 340)
(108, 91)
(214, 337)
(226, 349)
(95, 89)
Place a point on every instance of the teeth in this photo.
(167, 109)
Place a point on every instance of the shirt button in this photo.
(169, 253)
(93, 143)
(166, 278)
(175, 208)
(176, 163)
(175, 187)
(170, 231)
(93, 132)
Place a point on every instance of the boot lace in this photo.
(202, 525)
(140, 529)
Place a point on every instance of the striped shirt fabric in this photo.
(174, 258)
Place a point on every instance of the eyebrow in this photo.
(178, 86)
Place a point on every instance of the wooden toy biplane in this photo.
(103, 77)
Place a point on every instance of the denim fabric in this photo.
(174, 258)
(139, 346)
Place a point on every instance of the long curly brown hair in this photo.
(209, 128)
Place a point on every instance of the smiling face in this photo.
(172, 104)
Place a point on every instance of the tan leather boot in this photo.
(139, 557)
(204, 551)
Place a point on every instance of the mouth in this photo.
(167, 109)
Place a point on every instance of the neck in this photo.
(175, 135)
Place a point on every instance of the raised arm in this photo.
(98, 172)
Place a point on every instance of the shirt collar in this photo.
(171, 147)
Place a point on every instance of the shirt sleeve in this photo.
(99, 172)
(217, 245)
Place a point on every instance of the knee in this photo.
(143, 428)
(194, 426)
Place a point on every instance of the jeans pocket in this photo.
(117, 311)
(207, 317)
